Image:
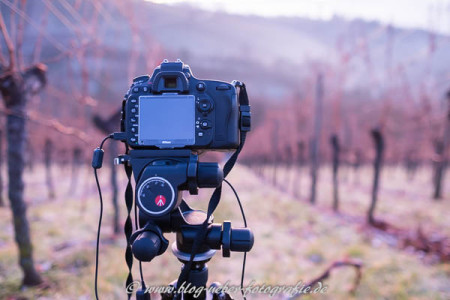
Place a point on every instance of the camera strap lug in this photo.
(236, 83)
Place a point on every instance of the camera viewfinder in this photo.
(170, 83)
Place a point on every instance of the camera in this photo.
(174, 110)
(168, 116)
(168, 120)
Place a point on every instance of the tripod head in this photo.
(161, 176)
(149, 241)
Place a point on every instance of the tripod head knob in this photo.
(236, 239)
(219, 236)
(241, 240)
(146, 246)
(148, 242)
(209, 175)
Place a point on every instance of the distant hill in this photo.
(271, 54)
(276, 48)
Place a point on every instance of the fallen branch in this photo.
(428, 243)
(435, 245)
(325, 275)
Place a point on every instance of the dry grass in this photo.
(293, 241)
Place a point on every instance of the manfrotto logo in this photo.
(166, 142)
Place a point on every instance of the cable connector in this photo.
(97, 158)
(119, 136)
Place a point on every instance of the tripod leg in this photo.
(142, 295)
(169, 296)
(219, 295)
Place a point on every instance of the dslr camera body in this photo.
(172, 109)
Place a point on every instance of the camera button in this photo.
(141, 78)
(200, 134)
(133, 110)
(136, 90)
(204, 124)
(201, 86)
(223, 87)
(133, 120)
(133, 100)
(133, 129)
(133, 140)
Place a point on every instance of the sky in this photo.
(425, 14)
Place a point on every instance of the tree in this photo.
(300, 161)
(377, 137)
(109, 126)
(440, 146)
(77, 161)
(315, 141)
(334, 141)
(275, 151)
(48, 149)
(17, 85)
(2, 203)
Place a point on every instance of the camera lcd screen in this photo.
(167, 121)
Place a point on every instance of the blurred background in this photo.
(344, 170)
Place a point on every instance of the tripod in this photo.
(186, 222)
(195, 287)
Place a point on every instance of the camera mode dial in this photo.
(156, 196)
